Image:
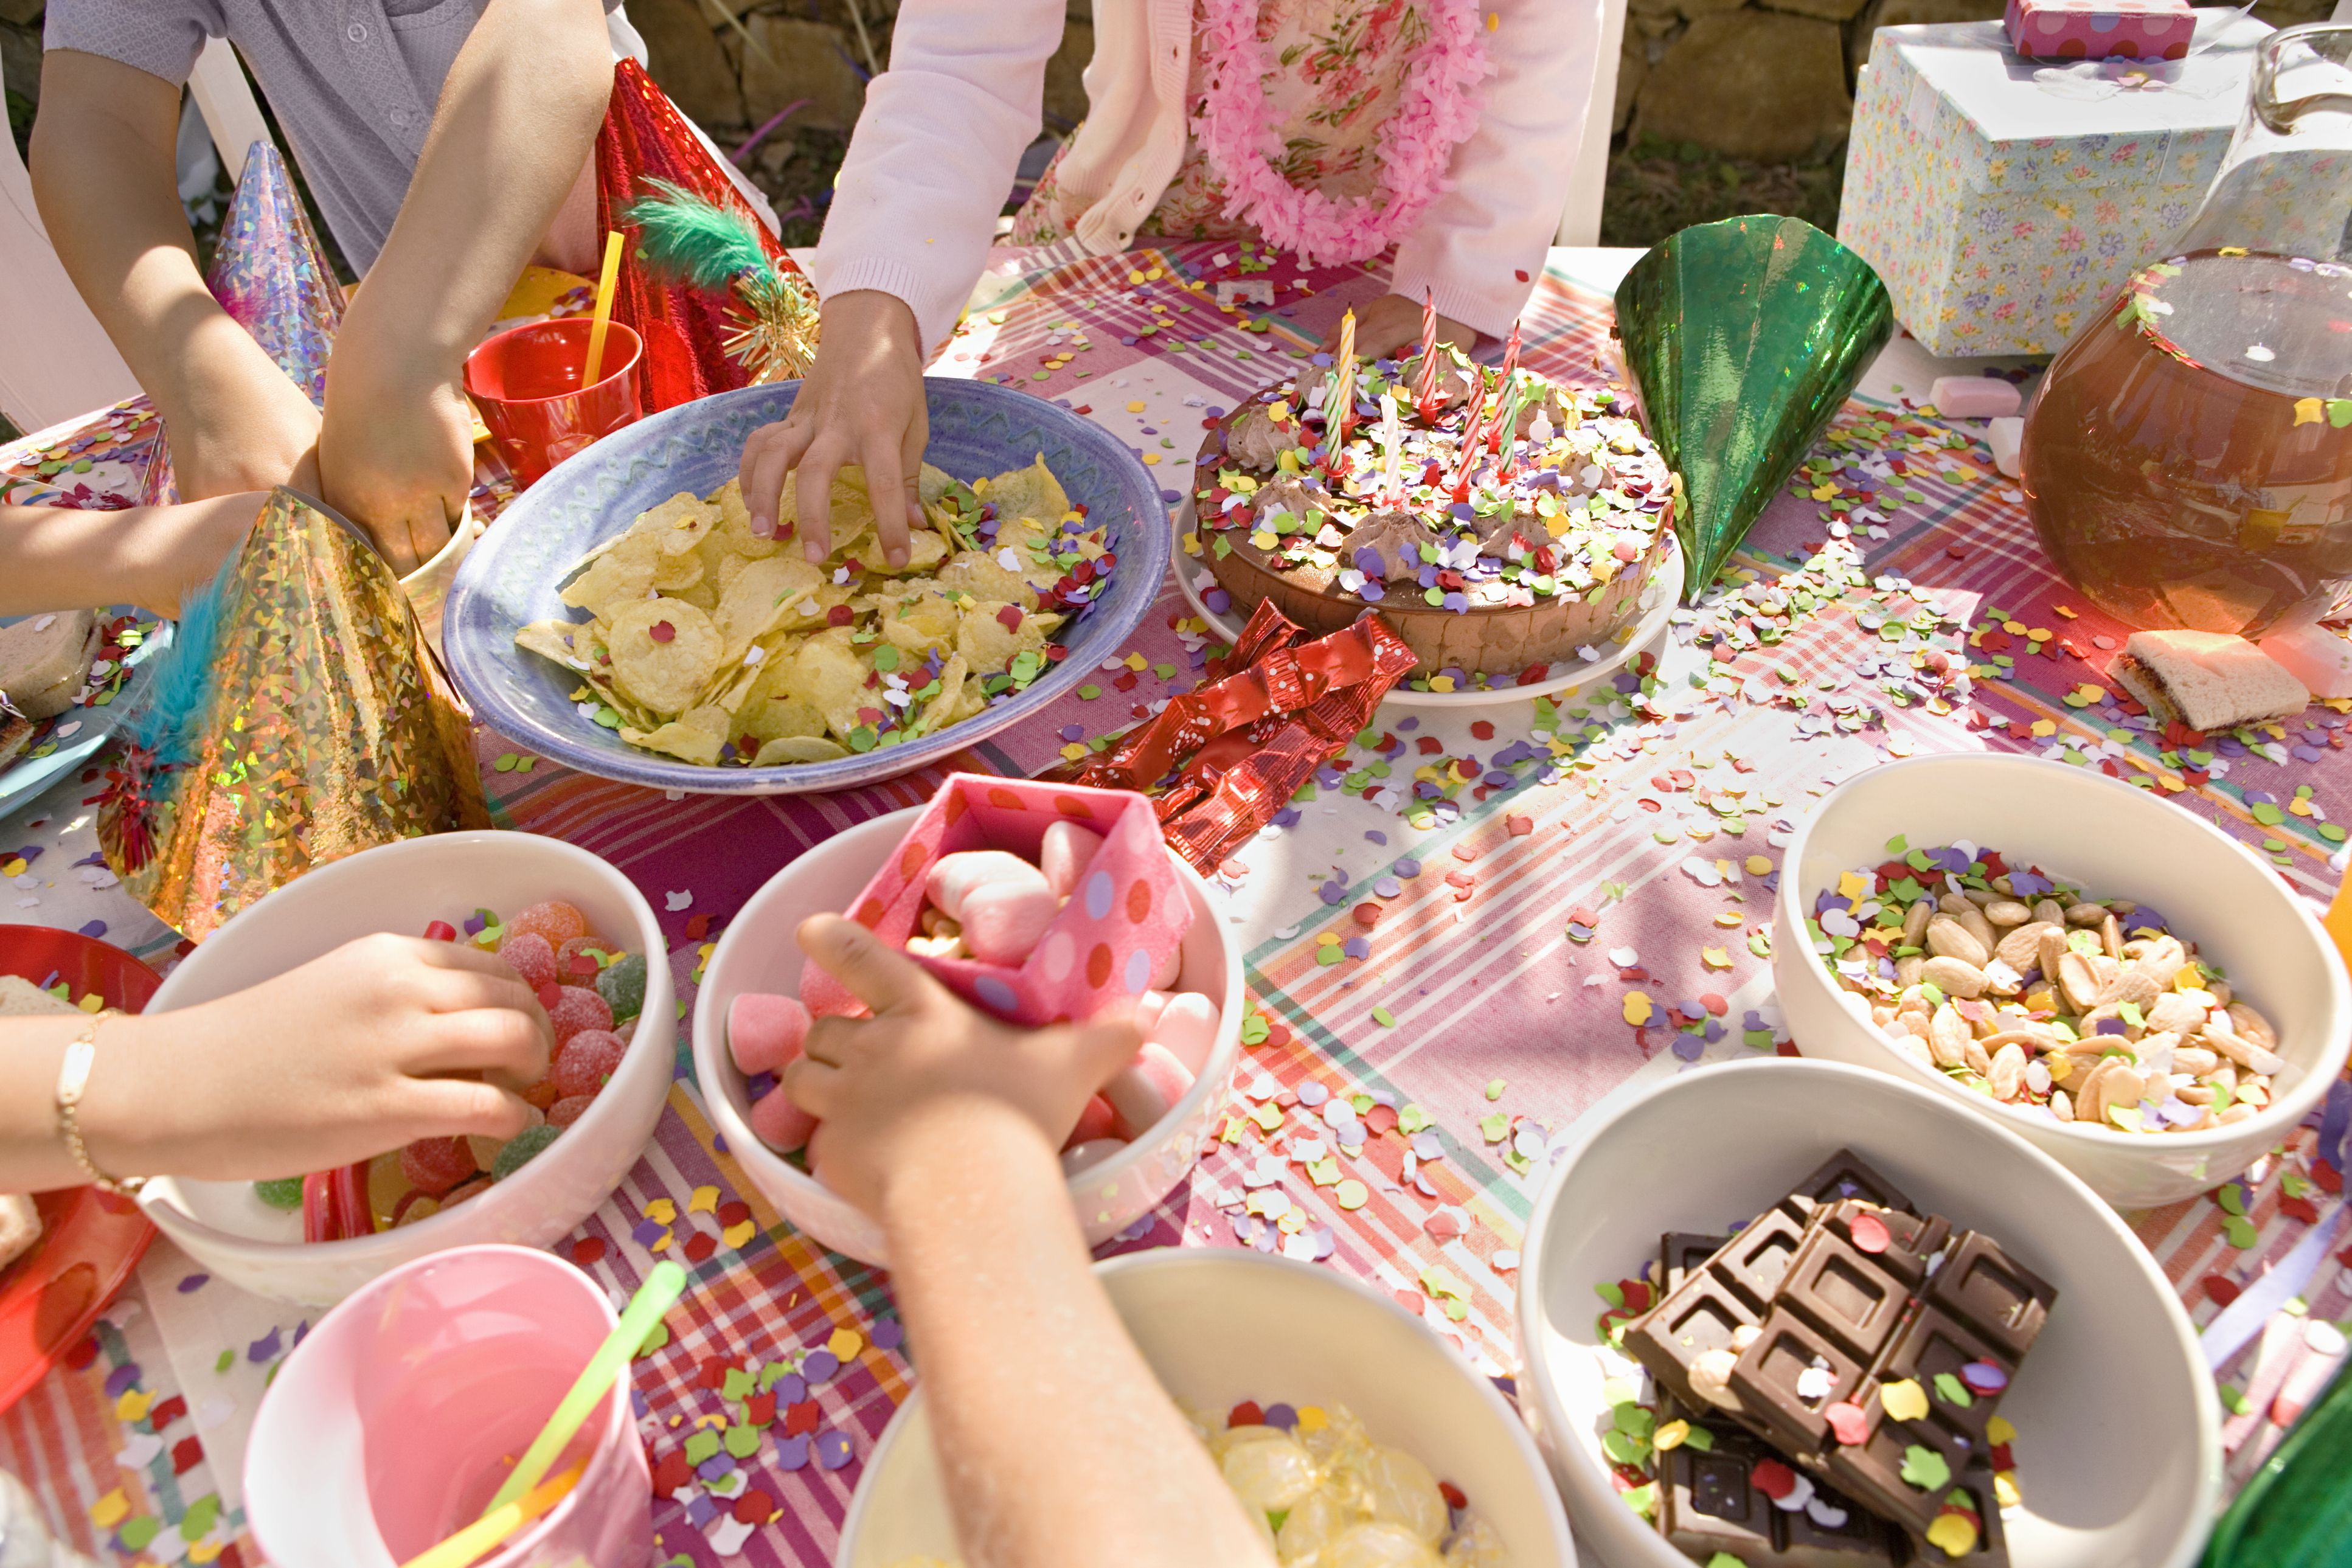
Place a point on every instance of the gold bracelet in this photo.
(73, 1078)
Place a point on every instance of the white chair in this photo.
(1580, 221)
(226, 100)
(55, 359)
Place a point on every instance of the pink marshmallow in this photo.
(764, 1032)
(1974, 396)
(1095, 1122)
(954, 878)
(1064, 856)
(781, 1125)
(1148, 1008)
(1143, 1091)
(1080, 1156)
(1186, 1028)
(1003, 921)
(1164, 976)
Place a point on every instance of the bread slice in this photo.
(2207, 680)
(20, 1226)
(19, 997)
(44, 660)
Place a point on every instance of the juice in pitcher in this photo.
(2187, 459)
(2189, 462)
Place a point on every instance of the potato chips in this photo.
(710, 644)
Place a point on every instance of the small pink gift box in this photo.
(2100, 29)
(1128, 914)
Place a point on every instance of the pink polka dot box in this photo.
(1128, 916)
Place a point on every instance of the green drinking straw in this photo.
(656, 1296)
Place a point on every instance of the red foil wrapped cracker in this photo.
(1128, 914)
(1239, 747)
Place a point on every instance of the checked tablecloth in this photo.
(1642, 819)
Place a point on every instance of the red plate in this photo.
(90, 1241)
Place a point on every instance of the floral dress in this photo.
(1343, 63)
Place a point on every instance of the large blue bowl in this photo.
(512, 576)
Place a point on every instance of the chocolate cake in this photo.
(1509, 552)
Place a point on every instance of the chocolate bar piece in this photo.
(1741, 1498)
(1711, 1496)
(1691, 1339)
(1884, 1355)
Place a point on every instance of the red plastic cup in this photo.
(526, 382)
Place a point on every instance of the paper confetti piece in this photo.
(1926, 1469)
(661, 1211)
(1638, 1008)
(110, 1509)
(844, 1344)
(1352, 1194)
(735, 1236)
(704, 1201)
(1904, 1400)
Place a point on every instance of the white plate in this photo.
(30, 775)
(1659, 597)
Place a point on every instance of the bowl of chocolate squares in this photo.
(1799, 1314)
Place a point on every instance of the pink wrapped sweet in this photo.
(2100, 29)
(1119, 933)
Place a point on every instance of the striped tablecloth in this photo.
(1640, 824)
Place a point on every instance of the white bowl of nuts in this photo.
(2114, 978)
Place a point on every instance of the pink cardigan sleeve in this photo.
(934, 153)
(1479, 246)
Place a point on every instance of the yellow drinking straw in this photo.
(660, 1291)
(604, 284)
(492, 1529)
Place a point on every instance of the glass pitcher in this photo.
(2188, 459)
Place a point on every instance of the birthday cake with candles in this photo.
(1504, 525)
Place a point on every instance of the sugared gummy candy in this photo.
(576, 1009)
(568, 1109)
(622, 986)
(780, 1124)
(285, 1193)
(576, 961)
(586, 1061)
(437, 1164)
(764, 1030)
(559, 923)
(530, 955)
(522, 1149)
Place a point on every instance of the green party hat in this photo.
(1745, 336)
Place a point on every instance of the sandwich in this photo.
(2205, 680)
(45, 661)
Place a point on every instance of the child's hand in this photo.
(1392, 323)
(862, 403)
(175, 551)
(885, 1087)
(381, 1042)
(396, 457)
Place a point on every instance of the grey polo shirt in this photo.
(352, 83)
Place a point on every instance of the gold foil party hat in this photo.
(298, 718)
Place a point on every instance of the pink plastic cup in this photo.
(526, 382)
(395, 1420)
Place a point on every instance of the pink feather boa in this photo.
(1436, 111)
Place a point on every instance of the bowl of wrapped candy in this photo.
(577, 931)
(2113, 977)
(1802, 1312)
(1356, 1435)
(1034, 902)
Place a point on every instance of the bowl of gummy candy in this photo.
(1358, 1436)
(1803, 1311)
(577, 931)
(991, 919)
(2111, 976)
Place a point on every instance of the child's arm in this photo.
(101, 168)
(1057, 1448)
(1480, 245)
(517, 118)
(59, 558)
(349, 1056)
(913, 213)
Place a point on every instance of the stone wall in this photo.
(1771, 81)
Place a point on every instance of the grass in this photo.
(1658, 187)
